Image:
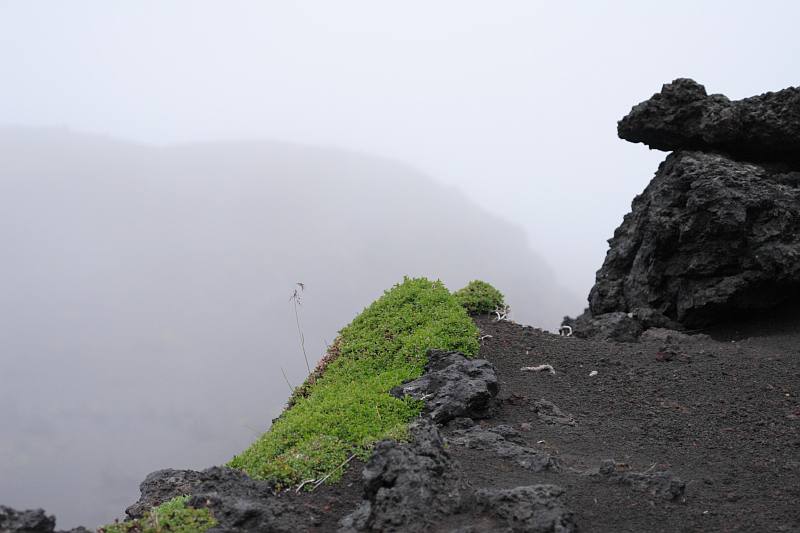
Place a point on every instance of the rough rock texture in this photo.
(408, 486)
(504, 441)
(418, 487)
(161, 486)
(238, 502)
(683, 117)
(34, 521)
(661, 484)
(707, 238)
(30, 521)
(715, 233)
(453, 386)
(618, 326)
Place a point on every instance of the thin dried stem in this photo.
(295, 302)
(291, 389)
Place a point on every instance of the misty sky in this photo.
(516, 103)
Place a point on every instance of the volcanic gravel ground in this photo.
(722, 415)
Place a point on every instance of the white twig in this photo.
(303, 484)
(485, 337)
(321, 481)
(502, 313)
(539, 368)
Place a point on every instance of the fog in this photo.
(169, 171)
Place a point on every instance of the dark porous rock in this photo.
(660, 484)
(529, 509)
(240, 503)
(453, 386)
(418, 487)
(237, 502)
(708, 238)
(32, 521)
(615, 326)
(672, 337)
(683, 117)
(505, 442)
(161, 486)
(408, 486)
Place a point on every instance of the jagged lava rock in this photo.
(684, 117)
(453, 386)
(615, 326)
(30, 521)
(416, 486)
(161, 486)
(408, 487)
(237, 502)
(708, 237)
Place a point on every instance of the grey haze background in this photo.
(144, 288)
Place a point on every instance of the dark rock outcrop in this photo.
(453, 386)
(417, 487)
(30, 521)
(237, 502)
(161, 486)
(708, 237)
(716, 232)
(616, 326)
(240, 503)
(684, 117)
(408, 487)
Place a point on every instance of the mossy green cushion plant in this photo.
(480, 298)
(348, 407)
(170, 517)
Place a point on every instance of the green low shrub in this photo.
(346, 408)
(170, 517)
(480, 298)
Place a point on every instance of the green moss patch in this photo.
(347, 408)
(170, 517)
(480, 298)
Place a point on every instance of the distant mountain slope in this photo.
(145, 295)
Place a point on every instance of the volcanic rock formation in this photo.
(453, 386)
(715, 233)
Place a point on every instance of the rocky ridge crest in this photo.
(715, 233)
